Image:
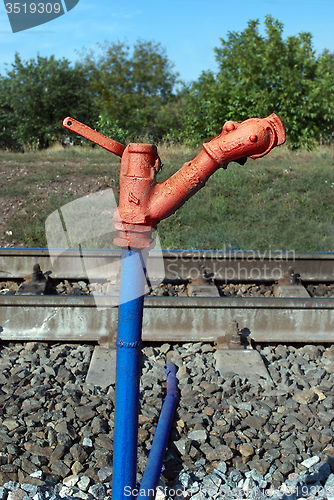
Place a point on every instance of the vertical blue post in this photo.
(128, 344)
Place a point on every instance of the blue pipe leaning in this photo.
(160, 441)
(128, 349)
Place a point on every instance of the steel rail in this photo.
(167, 319)
(239, 266)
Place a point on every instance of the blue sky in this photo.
(187, 29)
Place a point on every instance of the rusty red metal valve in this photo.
(144, 202)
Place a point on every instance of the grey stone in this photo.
(11, 485)
(257, 477)
(254, 422)
(222, 454)
(83, 483)
(183, 445)
(99, 425)
(184, 479)
(105, 474)
(16, 494)
(65, 491)
(38, 474)
(64, 376)
(305, 397)
(57, 453)
(98, 491)
(309, 462)
(11, 423)
(62, 427)
(60, 468)
(248, 485)
(282, 431)
(78, 453)
(52, 437)
(64, 439)
(104, 442)
(221, 468)
(246, 450)
(272, 454)
(9, 468)
(288, 446)
(76, 468)
(211, 484)
(29, 488)
(87, 442)
(234, 477)
(13, 449)
(330, 481)
(198, 435)
(259, 465)
(323, 469)
(85, 413)
(286, 468)
(39, 496)
(209, 388)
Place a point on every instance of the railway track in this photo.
(224, 265)
(201, 314)
(233, 436)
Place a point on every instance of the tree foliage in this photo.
(132, 94)
(34, 98)
(260, 74)
(134, 91)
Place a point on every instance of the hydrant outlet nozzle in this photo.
(252, 138)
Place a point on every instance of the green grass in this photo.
(41, 182)
(283, 201)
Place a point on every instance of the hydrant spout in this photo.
(252, 138)
(170, 195)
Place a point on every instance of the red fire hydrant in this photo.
(143, 202)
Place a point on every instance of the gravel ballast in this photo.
(231, 438)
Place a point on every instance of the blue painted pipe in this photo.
(128, 344)
(160, 441)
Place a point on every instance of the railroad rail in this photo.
(223, 265)
(173, 319)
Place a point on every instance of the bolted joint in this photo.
(133, 236)
(290, 278)
(232, 338)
